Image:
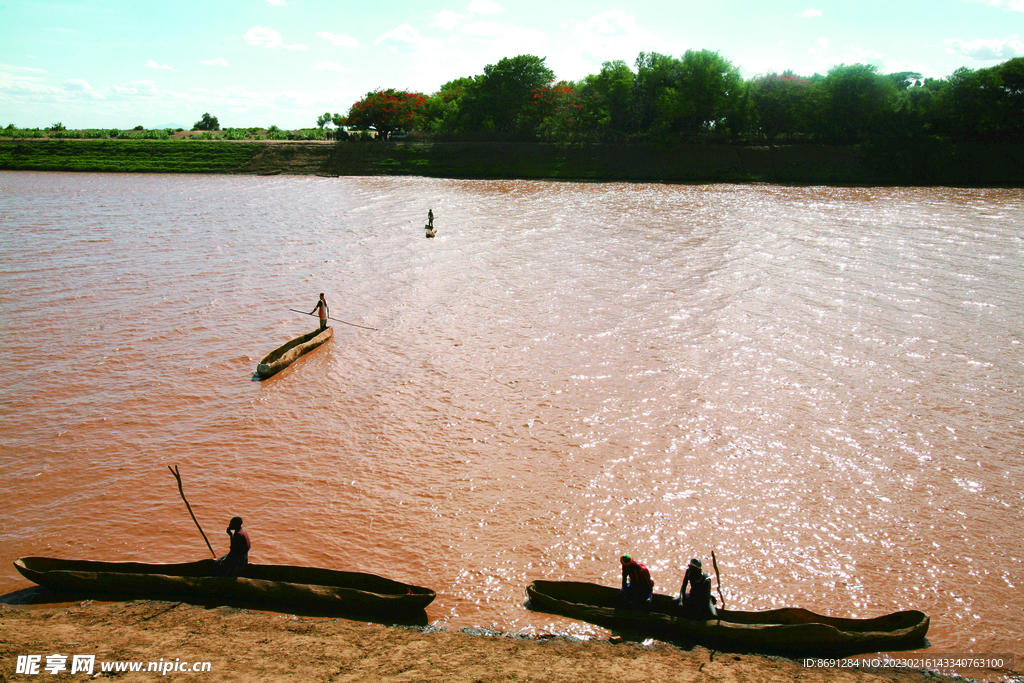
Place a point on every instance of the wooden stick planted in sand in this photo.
(719, 576)
(174, 471)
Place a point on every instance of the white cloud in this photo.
(612, 26)
(484, 7)
(490, 29)
(447, 19)
(811, 12)
(219, 61)
(134, 89)
(612, 34)
(609, 35)
(334, 66)
(1008, 5)
(405, 38)
(862, 56)
(986, 50)
(279, 3)
(263, 37)
(343, 40)
(21, 69)
(150, 64)
(77, 89)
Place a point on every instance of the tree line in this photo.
(701, 97)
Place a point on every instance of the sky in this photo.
(257, 63)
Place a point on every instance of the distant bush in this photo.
(309, 134)
(144, 135)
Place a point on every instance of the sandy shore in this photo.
(241, 645)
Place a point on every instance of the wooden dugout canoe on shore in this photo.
(285, 355)
(263, 584)
(791, 631)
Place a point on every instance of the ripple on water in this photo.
(822, 385)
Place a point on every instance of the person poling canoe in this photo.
(362, 327)
(323, 310)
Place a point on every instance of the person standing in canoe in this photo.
(322, 309)
(233, 564)
(698, 603)
(637, 584)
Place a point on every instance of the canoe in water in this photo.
(285, 355)
(789, 631)
(263, 584)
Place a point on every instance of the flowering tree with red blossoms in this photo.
(559, 107)
(385, 111)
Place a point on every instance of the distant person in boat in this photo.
(233, 564)
(698, 603)
(637, 585)
(430, 218)
(323, 310)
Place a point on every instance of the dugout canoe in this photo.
(283, 356)
(262, 584)
(791, 631)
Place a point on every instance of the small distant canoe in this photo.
(283, 356)
(263, 584)
(790, 631)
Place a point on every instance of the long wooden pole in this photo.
(362, 327)
(174, 471)
(714, 562)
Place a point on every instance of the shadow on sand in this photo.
(40, 595)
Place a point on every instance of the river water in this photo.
(822, 385)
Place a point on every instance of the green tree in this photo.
(385, 111)
(328, 117)
(1011, 98)
(443, 111)
(504, 98)
(206, 123)
(607, 100)
(858, 100)
(986, 105)
(710, 88)
(781, 104)
(655, 73)
(903, 80)
(687, 96)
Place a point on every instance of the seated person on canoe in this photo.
(637, 584)
(233, 564)
(698, 603)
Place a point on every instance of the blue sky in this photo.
(122, 63)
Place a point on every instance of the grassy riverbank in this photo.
(242, 646)
(982, 165)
